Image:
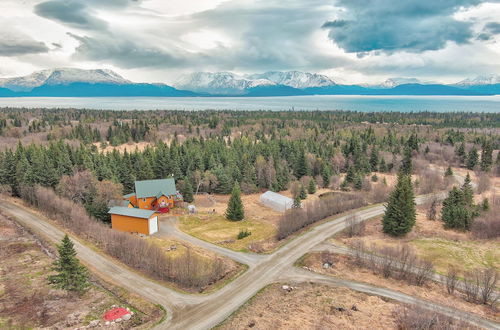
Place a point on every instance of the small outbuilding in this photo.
(276, 201)
(134, 220)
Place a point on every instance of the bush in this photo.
(296, 218)
(416, 317)
(244, 233)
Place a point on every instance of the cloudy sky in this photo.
(350, 40)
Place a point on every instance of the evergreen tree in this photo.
(468, 192)
(187, 191)
(302, 192)
(235, 210)
(325, 174)
(486, 156)
(311, 189)
(374, 159)
(485, 205)
(460, 152)
(400, 213)
(448, 172)
(71, 275)
(296, 202)
(301, 167)
(406, 164)
(472, 158)
(455, 213)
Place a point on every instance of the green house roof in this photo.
(131, 212)
(127, 196)
(151, 188)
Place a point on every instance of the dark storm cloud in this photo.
(72, 13)
(19, 45)
(493, 27)
(122, 52)
(390, 26)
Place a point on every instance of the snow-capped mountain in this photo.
(393, 82)
(62, 76)
(295, 79)
(229, 83)
(490, 79)
(221, 83)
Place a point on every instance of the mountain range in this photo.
(71, 82)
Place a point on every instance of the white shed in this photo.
(276, 201)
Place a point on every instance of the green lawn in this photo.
(217, 229)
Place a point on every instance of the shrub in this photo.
(244, 233)
(296, 218)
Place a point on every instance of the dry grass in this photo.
(344, 267)
(313, 306)
(215, 228)
(28, 301)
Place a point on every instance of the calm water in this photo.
(328, 102)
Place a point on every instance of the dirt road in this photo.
(205, 311)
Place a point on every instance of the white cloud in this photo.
(156, 40)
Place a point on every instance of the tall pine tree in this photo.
(71, 275)
(235, 210)
(400, 213)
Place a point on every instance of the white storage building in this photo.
(276, 201)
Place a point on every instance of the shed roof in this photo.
(151, 188)
(271, 195)
(131, 212)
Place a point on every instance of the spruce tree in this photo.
(448, 172)
(468, 192)
(455, 213)
(311, 189)
(406, 163)
(302, 192)
(400, 213)
(235, 211)
(71, 275)
(187, 191)
(301, 166)
(486, 156)
(472, 158)
(296, 202)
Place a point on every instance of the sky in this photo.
(352, 41)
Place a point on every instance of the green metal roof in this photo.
(131, 212)
(151, 188)
(128, 195)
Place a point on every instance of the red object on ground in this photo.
(163, 210)
(115, 313)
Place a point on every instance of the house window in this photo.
(144, 199)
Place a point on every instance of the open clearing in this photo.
(313, 306)
(344, 267)
(28, 301)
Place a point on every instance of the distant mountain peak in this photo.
(229, 83)
(490, 79)
(295, 79)
(62, 76)
(222, 83)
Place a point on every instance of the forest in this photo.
(209, 151)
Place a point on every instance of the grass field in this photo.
(217, 229)
(464, 255)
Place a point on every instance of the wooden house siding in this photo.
(130, 224)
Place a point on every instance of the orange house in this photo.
(158, 195)
(133, 220)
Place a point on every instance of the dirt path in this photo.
(205, 311)
(300, 275)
